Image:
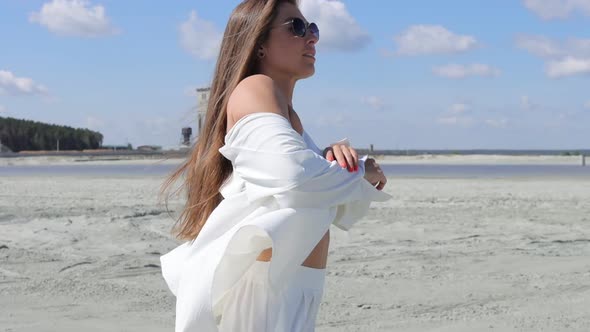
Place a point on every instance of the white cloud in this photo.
(497, 123)
(459, 108)
(432, 39)
(462, 71)
(338, 29)
(544, 47)
(526, 104)
(200, 37)
(374, 102)
(12, 85)
(557, 9)
(456, 121)
(578, 46)
(539, 46)
(74, 18)
(568, 66)
(3, 110)
(567, 58)
(456, 115)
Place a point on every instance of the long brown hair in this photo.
(205, 170)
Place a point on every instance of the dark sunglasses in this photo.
(299, 28)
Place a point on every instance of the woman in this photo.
(261, 194)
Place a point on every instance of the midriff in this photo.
(316, 259)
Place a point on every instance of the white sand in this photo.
(87, 160)
(82, 254)
(483, 159)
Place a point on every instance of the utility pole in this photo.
(58, 145)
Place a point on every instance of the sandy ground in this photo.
(483, 159)
(82, 254)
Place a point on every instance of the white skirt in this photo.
(251, 305)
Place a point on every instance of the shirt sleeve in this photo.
(273, 160)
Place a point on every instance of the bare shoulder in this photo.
(256, 93)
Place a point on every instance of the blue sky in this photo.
(510, 74)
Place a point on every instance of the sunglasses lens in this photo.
(313, 28)
(299, 27)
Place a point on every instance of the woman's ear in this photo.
(261, 52)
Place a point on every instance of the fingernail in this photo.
(350, 169)
(356, 168)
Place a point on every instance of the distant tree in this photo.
(18, 135)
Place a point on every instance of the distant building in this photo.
(202, 102)
(186, 135)
(149, 148)
(117, 147)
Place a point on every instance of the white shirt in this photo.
(282, 194)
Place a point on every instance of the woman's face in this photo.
(284, 52)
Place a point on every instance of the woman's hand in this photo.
(374, 174)
(344, 154)
(347, 157)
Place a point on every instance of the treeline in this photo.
(19, 135)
